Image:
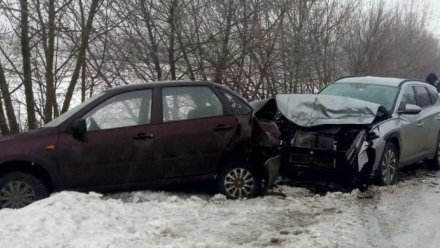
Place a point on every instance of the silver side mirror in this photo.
(411, 109)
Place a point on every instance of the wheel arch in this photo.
(26, 166)
(241, 152)
(394, 138)
(435, 146)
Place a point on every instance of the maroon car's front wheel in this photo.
(19, 189)
(238, 180)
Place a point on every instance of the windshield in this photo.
(55, 122)
(379, 94)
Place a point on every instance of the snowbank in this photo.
(158, 219)
(404, 215)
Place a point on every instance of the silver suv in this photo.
(364, 127)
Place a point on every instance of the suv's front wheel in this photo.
(238, 180)
(434, 163)
(388, 166)
(19, 189)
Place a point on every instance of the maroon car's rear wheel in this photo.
(19, 189)
(238, 180)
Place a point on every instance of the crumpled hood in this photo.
(265, 109)
(308, 110)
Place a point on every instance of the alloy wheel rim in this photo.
(438, 153)
(16, 194)
(239, 182)
(389, 163)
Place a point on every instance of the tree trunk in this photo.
(154, 47)
(172, 31)
(224, 51)
(50, 88)
(27, 71)
(81, 55)
(83, 82)
(4, 129)
(12, 120)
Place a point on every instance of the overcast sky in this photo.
(435, 12)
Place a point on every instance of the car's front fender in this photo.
(385, 131)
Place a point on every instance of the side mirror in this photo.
(411, 109)
(79, 127)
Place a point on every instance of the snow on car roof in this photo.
(388, 81)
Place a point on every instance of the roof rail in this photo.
(413, 80)
(350, 76)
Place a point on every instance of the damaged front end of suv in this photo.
(332, 134)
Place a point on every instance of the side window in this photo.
(408, 98)
(123, 110)
(422, 96)
(238, 106)
(191, 102)
(434, 95)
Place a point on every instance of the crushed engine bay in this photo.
(324, 132)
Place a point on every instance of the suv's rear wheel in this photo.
(19, 189)
(238, 180)
(434, 163)
(388, 166)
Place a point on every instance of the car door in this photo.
(194, 131)
(426, 120)
(412, 125)
(118, 147)
(435, 127)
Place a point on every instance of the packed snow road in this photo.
(404, 215)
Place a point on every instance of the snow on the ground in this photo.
(144, 219)
(164, 219)
(406, 214)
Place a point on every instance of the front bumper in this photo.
(359, 160)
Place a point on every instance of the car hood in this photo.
(309, 110)
(265, 109)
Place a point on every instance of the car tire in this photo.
(388, 166)
(238, 180)
(434, 163)
(19, 189)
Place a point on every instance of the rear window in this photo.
(434, 95)
(189, 102)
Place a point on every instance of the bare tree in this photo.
(81, 54)
(27, 70)
(12, 120)
(50, 49)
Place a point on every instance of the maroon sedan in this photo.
(140, 136)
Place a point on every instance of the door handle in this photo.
(420, 124)
(142, 136)
(437, 117)
(222, 127)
